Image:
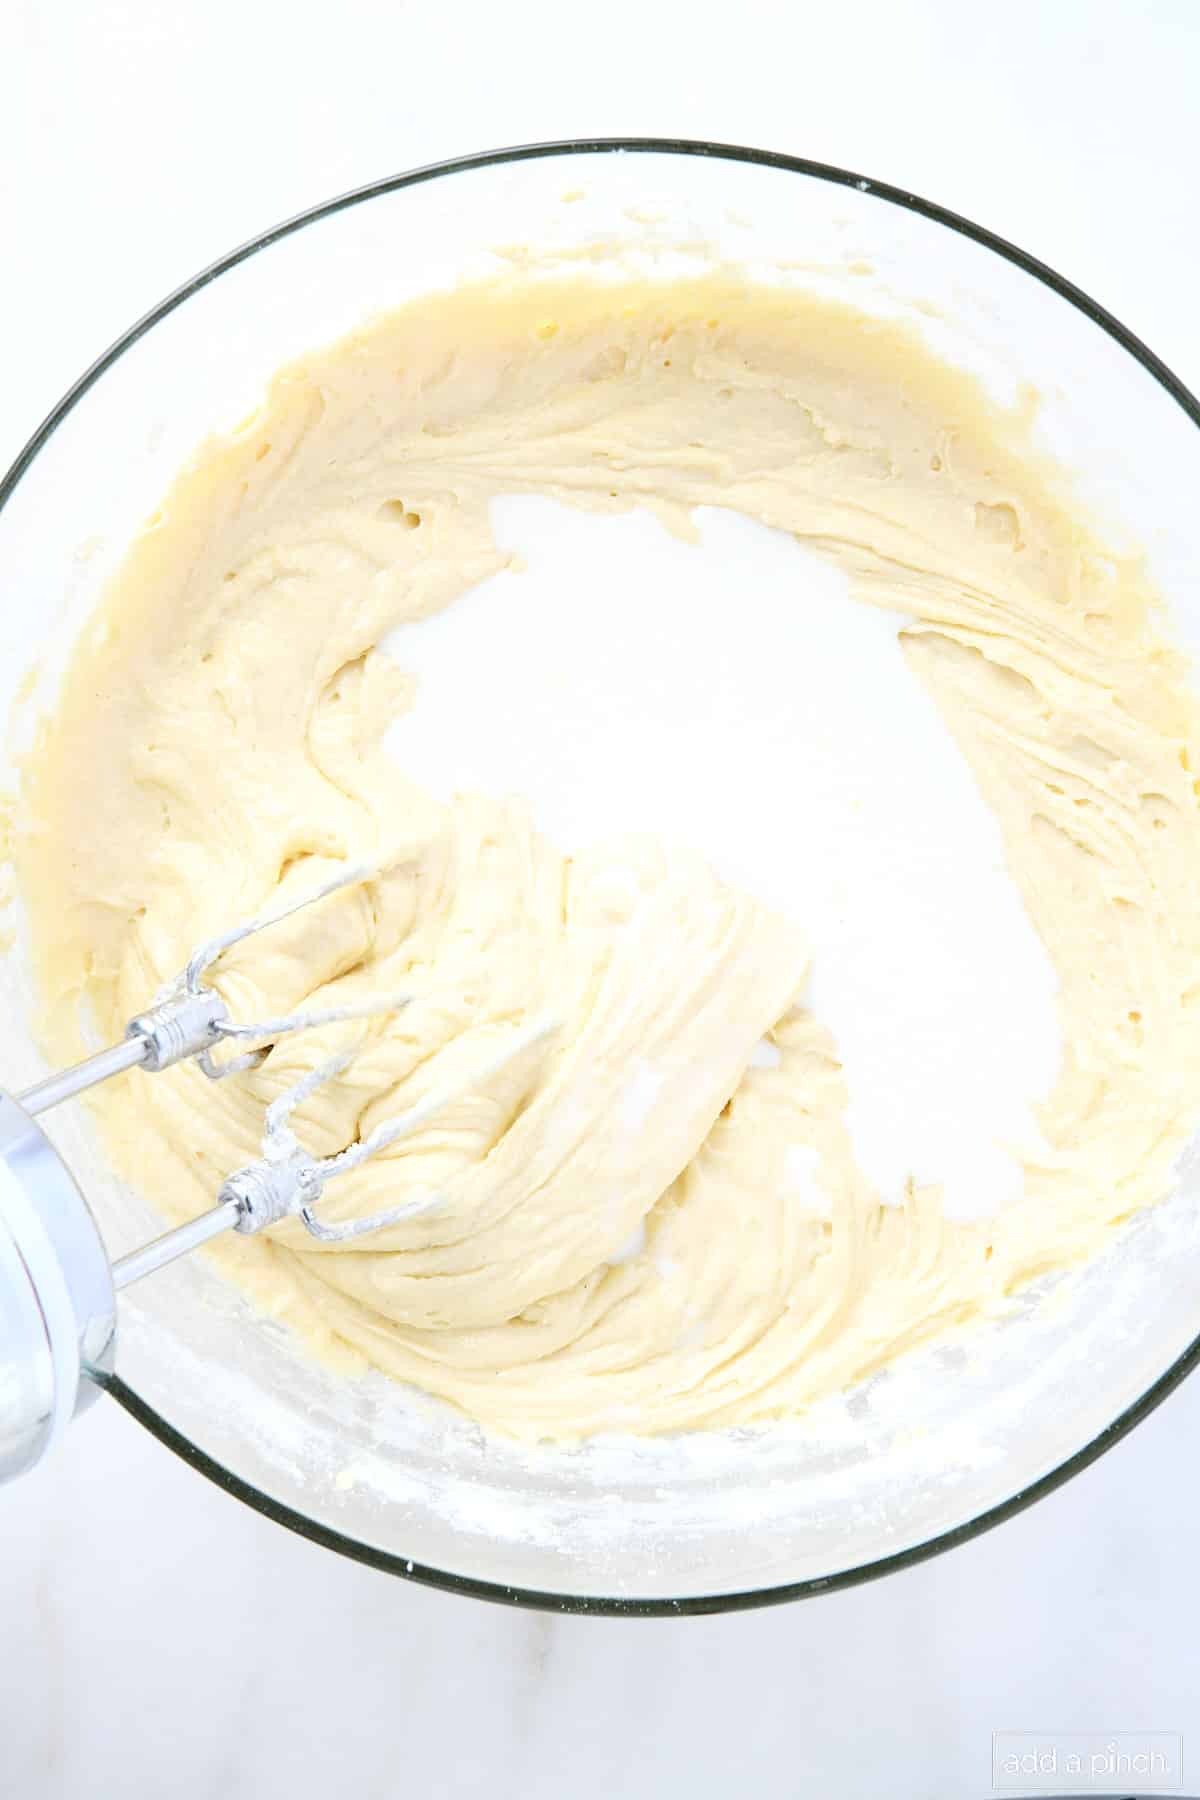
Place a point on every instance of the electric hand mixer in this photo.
(58, 1287)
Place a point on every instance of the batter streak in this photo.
(647, 1226)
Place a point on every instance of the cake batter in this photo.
(647, 1224)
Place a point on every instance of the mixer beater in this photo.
(57, 1285)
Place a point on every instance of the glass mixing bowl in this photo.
(939, 1447)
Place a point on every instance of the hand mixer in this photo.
(58, 1287)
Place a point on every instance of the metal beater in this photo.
(58, 1287)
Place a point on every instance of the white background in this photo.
(156, 1638)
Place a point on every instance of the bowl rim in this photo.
(161, 1428)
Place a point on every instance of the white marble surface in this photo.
(160, 1639)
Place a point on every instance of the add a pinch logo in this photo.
(1131, 1763)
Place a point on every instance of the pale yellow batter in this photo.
(626, 1242)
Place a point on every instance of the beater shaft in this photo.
(163, 1250)
(69, 1082)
